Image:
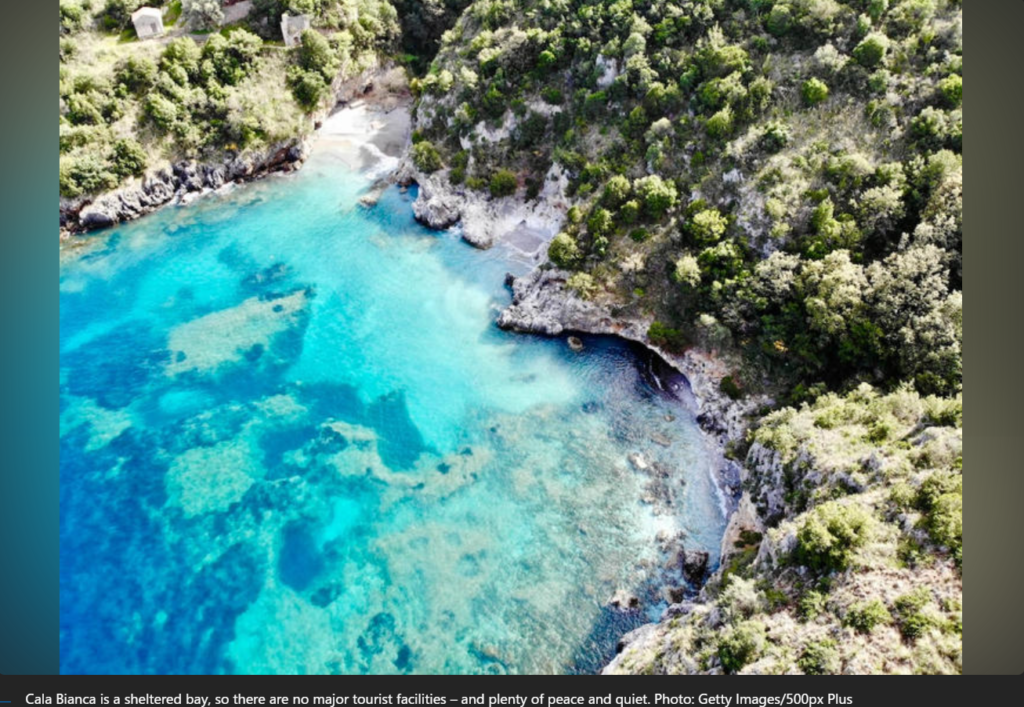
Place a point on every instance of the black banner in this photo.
(479, 691)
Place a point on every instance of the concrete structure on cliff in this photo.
(148, 21)
(292, 27)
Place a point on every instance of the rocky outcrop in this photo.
(541, 304)
(176, 183)
(695, 565)
(486, 221)
(436, 207)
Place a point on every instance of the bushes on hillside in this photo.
(830, 535)
(563, 251)
(814, 91)
(503, 183)
(203, 14)
(317, 65)
(872, 50)
(426, 157)
(656, 195)
(72, 16)
(741, 645)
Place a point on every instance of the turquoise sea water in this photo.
(293, 441)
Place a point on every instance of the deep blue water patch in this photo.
(299, 561)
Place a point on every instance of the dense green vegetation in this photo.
(127, 105)
(789, 172)
(779, 181)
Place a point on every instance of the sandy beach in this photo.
(369, 133)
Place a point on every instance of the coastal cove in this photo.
(293, 440)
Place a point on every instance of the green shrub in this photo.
(600, 222)
(162, 110)
(426, 157)
(864, 616)
(820, 658)
(780, 19)
(83, 109)
(616, 192)
(630, 211)
(583, 284)
(665, 336)
(182, 53)
(595, 104)
(309, 88)
(316, 54)
(85, 174)
(829, 536)
(812, 604)
(814, 92)
(494, 102)
(639, 235)
(776, 136)
(707, 226)
(563, 251)
(728, 386)
(687, 271)
(203, 14)
(232, 58)
(741, 645)
(503, 183)
(117, 14)
(552, 96)
(908, 610)
(871, 50)
(129, 159)
(951, 89)
(721, 261)
(656, 195)
(137, 73)
(72, 16)
(941, 499)
(720, 124)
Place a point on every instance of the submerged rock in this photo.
(638, 461)
(661, 439)
(695, 565)
(624, 600)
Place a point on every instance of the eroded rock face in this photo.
(542, 305)
(436, 207)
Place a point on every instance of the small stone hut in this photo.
(292, 27)
(148, 21)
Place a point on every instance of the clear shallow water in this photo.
(293, 441)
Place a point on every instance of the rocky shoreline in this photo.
(184, 180)
(175, 184)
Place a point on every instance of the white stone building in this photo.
(292, 27)
(148, 21)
